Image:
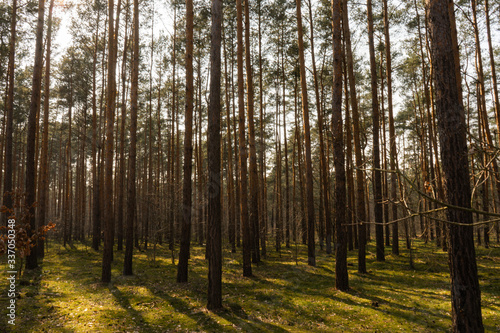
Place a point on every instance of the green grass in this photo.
(65, 294)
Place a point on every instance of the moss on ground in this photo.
(285, 295)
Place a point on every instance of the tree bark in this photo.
(465, 293)
(214, 247)
(341, 275)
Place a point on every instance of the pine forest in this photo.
(249, 166)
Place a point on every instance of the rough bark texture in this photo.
(465, 293)
(214, 246)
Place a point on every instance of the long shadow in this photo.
(125, 304)
(395, 309)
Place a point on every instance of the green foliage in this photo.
(65, 294)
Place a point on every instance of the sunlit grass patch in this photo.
(284, 295)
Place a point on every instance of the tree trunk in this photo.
(377, 177)
(311, 253)
(131, 189)
(30, 187)
(341, 276)
(247, 265)
(108, 165)
(43, 188)
(214, 247)
(360, 178)
(9, 107)
(96, 202)
(182, 268)
(465, 293)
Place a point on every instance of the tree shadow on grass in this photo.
(125, 304)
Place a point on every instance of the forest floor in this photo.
(285, 294)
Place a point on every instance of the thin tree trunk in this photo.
(311, 253)
(377, 179)
(96, 202)
(253, 176)
(131, 189)
(9, 127)
(247, 265)
(360, 178)
(108, 166)
(182, 268)
(30, 186)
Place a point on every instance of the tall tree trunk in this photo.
(311, 253)
(131, 188)
(121, 175)
(324, 174)
(9, 107)
(341, 276)
(230, 166)
(30, 187)
(253, 176)
(377, 177)
(360, 178)
(43, 188)
(108, 165)
(247, 265)
(263, 197)
(182, 268)
(392, 134)
(465, 293)
(96, 202)
(214, 246)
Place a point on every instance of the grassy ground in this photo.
(65, 294)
